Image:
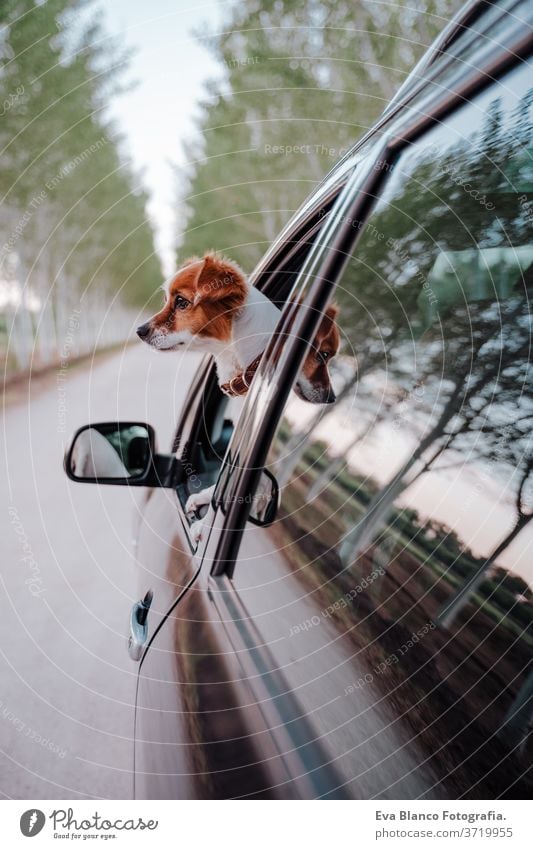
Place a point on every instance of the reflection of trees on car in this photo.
(298, 441)
(444, 555)
(523, 516)
(466, 337)
(420, 561)
(448, 364)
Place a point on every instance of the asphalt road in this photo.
(67, 580)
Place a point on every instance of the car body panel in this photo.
(199, 731)
(247, 689)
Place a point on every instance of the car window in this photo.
(406, 508)
(202, 455)
(218, 413)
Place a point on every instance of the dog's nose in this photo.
(143, 330)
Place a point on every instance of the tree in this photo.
(302, 82)
(523, 514)
(74, 225)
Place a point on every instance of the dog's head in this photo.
(199, 303)
(314, 383)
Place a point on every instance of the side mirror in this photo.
(120, 453)
(265, 501)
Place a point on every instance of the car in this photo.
(356, 621)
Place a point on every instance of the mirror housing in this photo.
(265, 501)
(118, 453)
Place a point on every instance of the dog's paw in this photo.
(191, 505)
(199, 499)
(196, 530)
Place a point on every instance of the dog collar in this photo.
(240, 384)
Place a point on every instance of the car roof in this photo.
(462, 22)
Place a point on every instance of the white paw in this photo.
(196, 530)
(199, 499)
(191, 505)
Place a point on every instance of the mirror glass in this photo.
(265, 500)
(110, 451)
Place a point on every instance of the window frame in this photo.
(298, 236)
(470, 25)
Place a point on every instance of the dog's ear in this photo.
(332, 312)
(218, 280)
(328, 331)
(328, 322)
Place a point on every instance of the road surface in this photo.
(67, 581)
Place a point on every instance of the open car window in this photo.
(218, 414)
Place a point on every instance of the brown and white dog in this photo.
(209, 306)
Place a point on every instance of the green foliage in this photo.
(72, 209)
(302, 82)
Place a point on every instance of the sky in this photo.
(169, 68)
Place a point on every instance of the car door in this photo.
(264, 680)
(200, 730)
(168, 747)
(169, 562)
(392, 598)
(162, 548)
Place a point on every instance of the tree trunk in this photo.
(462, 596)
(338, 463)
(517, 723)
(297, 444)
(45, 341)
(20, 335)
(330, 472)
(362, 534)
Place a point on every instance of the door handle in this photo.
(138, 626)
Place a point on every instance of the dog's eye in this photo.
(323, 356)
(181, 303)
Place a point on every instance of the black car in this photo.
(368, 634)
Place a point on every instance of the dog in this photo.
(209, 306)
